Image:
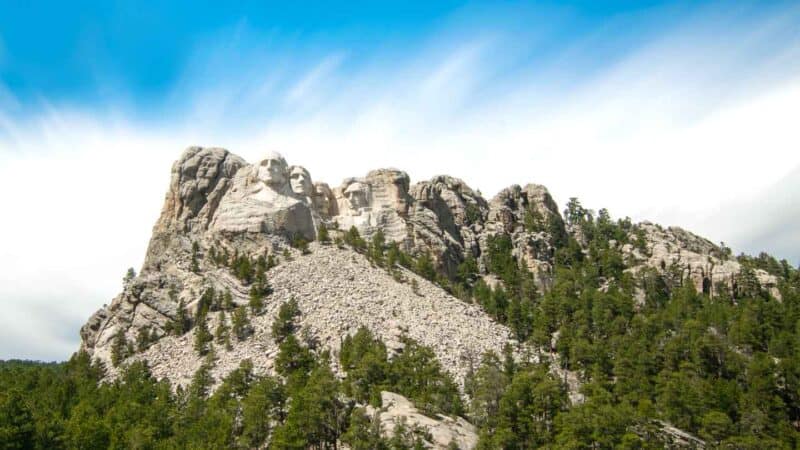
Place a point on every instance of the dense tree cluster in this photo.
(726, 369)
(52, 406)
(415, 373)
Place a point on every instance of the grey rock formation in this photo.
(444, 430)
(378, 201)
(200, 178)
(217, 201)
(263, 200)
(695, 258)
(447, 220)
(530, 216)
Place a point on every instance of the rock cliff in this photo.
(220, 209)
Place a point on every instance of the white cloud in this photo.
(681, 131)
(303, 90)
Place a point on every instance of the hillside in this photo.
(275, 312)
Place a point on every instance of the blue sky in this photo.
(682, 113)
(90, 53)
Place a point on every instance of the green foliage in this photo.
(353, 238)
(144, 338)
(316, 416)
(486, 387)
(119, 348)
(16, 421)
(414, 373)
(648, 348)
(424, 267)
(222, 334)
(377, 246)
(284, 323)
(467, 271)
(322, 234)
(472, 212)
(365, 360)
(129, 276)
(240, 324)
(364, 432)
(181, 323)
(195, 267)
(202, 337)
(301, 244)
(417, 374)
(527, 410)
(262, 407)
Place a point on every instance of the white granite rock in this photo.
(444, 430)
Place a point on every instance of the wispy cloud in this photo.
(682, 127)
(303, 90)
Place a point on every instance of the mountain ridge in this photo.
(441, 218)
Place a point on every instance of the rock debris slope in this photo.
(338, 291)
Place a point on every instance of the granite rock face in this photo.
(218, 203)
(701, 261)
(444, 430)
(199, 180)
(267, 198)
(378, 201)
(530, 216)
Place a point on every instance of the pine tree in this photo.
(263, 405)
(202, 337)
(322, 234)
(376, 248)
(256, 300)
(129, 276)
(222, 333)
(354, 240)
(240, 324)
(143, 338)
(181, 323)
(227, 301)
(195, 250)
(424, 267)
(284, 324)
(119, 348)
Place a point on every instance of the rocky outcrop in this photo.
(378, 201)
(530, 216)
(443, 430)
(446, 221)
(218, 201)
(705, 264)
(200, 178)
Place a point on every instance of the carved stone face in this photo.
(323, 199)
(300, 180)
(272, 170)
(356, 195)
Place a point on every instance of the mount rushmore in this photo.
(217, 202)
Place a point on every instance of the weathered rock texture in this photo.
(337, 291)
(199, 180)
(444, 430)
(706, 264)
(217, 200)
